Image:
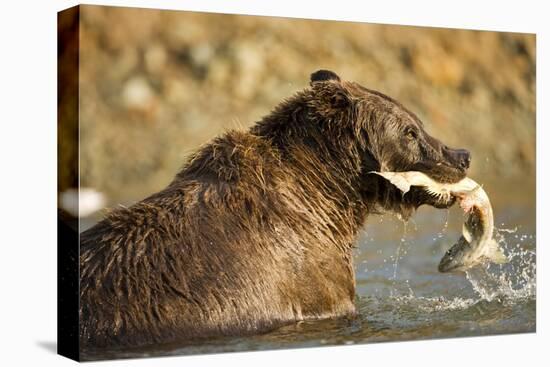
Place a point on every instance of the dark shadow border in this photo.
(68, 50)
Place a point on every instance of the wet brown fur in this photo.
(257, 230)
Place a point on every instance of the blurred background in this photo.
(155, 85)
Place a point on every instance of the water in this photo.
(401, 295)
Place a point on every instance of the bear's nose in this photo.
(464, 158)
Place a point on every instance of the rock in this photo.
(201, 55)
(137, 93)
(155, 58)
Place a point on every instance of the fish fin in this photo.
(495, 253)
(396, 179)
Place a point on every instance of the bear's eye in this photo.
(411, 134)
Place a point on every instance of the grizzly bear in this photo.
(257, 230)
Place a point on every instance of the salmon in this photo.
(476, 245)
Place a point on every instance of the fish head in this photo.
(457, 258)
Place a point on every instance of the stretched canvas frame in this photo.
(450, 74)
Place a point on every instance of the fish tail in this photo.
(495, 253)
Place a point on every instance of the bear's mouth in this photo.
(418, 196)
(440, 172)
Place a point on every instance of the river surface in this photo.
(401, 295)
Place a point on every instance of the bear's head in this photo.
(394, 136)
(388, 136)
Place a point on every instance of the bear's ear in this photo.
(323, 76)
(331, 97)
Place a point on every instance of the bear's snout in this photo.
(462, 157)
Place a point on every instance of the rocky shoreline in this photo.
(157, 84)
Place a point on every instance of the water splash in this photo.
(512, 281)
(504, 283)
(443, 230)
(401, 251)
(398, 253)
(439, 237)
(506, 230)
